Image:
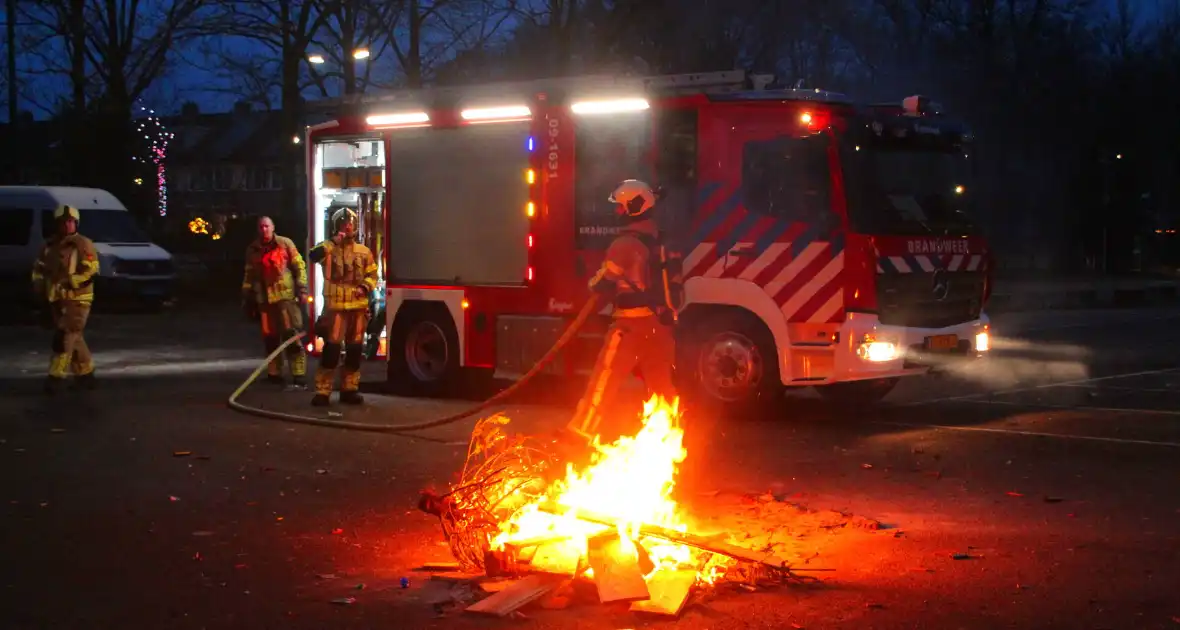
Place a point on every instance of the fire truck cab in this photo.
(825, 243)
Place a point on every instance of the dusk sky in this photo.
(197, 77)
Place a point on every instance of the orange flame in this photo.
(629, 481)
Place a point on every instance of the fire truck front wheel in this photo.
(423, 351)
(726, 361)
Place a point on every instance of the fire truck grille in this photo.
(929, 300)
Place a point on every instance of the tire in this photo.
(727, 364)
(423, 352)
(857, 393)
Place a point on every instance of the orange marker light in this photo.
(465, 303)
(531, 176)
(531, 209)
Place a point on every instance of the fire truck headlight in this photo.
(983, 342)
(877, 351)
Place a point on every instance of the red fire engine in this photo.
(825, 243)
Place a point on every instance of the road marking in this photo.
(1158, 412)
(1064, 436)
(1115, 388)
(1033, 388)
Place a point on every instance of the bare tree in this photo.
(115, 48)
(425, 34)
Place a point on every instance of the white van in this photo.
(130, 265)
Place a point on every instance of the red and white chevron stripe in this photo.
(807, 288)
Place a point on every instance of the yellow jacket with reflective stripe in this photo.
(346, 265)
(65, 269)
(274, 270)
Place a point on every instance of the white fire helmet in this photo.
(62, 212)
(634, 198)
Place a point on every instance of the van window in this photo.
(15, 226)
(788, 178)
(607, 150)
(101, 226)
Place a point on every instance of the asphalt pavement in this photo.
(1036, 490)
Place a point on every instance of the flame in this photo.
(629, 482)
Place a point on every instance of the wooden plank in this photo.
(669, 590)
(515, 596)
(495, 586)
(703, 543)
(560, 558)
(616, 569)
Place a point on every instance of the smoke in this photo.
(1015, 362)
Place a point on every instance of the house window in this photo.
(201, 179)
(274, 178)
(223, 178)
(257, 178)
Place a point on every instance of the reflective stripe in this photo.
(612, 267)
(590, 421)
(639, 311)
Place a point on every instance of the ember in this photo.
(614, 521)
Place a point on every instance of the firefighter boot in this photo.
(323, 386)
(350, 383)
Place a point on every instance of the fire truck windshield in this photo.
(908, 190)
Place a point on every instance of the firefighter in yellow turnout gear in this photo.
(350, 277)
(63, 275)
(642, 279)
(275, 286)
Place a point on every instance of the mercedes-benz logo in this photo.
(941, 285)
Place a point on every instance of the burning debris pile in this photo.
(613, 523)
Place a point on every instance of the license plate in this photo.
(942, 342)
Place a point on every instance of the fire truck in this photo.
(826, 244)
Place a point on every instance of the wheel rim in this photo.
(427, 352)
(731, 367)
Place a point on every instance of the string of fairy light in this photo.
(157, 137)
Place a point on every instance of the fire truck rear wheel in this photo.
(423, 352)
(727, 363)
(857, 393)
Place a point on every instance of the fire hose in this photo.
(545, 360)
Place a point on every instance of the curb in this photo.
(1097, 298)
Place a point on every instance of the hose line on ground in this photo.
(570, 332)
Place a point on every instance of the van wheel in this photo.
(856, 393)
(423, 352)
(727, 363)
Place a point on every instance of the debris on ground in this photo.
(603, 536)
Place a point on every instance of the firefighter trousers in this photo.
(342, 331)
(280, 321)
(631, 342)
(70, 353)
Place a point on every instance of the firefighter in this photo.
(641, 278)
(350, 277)
(274, 286)
(63, 275)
